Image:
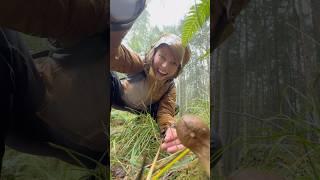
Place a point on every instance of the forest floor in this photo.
(134, 138)
(21, 166)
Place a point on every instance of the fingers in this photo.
(171, 134)
(172, 146)
(166, 145)
(175, 148)
(173, 143)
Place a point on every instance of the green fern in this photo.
(196, 17)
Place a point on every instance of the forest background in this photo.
(265, 90)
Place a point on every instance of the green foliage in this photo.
(23, 166)
(137, 138)
(194, 80)
(201, 108)
(290, 145)
(20, 166)
(196, 18)
(142, 35)
(117, 115)
(136, 38)
(137, 134)
(188, 168)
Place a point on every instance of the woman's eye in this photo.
(174, 63)
(162, 57)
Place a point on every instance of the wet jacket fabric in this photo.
(138, 93)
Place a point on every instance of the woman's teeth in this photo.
(162, 73)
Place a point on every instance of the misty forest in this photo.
(265, 90)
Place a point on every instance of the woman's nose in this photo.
(164, 64)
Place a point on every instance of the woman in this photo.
(150, 86)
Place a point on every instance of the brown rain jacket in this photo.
(126, 61)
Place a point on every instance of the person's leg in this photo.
(116, 91)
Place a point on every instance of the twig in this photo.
(162, 162)
(168, 166)
(153, 164)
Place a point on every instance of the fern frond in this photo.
(196, 17)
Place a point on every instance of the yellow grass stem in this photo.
(169, 165)
(162, 162)
(153, 164)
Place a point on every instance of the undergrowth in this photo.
(134, 138)
(21, 166)
(288, 143)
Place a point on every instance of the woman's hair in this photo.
(175, 45)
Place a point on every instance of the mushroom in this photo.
(195, 135)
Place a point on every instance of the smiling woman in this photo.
(151, 77)
(150, 86)
(164, 65)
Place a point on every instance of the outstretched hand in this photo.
(171, 142)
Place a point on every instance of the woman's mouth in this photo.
(162, 73)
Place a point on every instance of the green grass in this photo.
(132, 138)
(288, 144)
(21, 166)
(199, 107)
(136, 137)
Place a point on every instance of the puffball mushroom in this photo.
(195, 135)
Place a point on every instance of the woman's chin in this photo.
(160, 77)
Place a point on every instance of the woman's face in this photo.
(164, 64)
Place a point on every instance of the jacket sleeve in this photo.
(122, 59)
(166, 110)
(59, 19)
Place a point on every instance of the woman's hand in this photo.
(171, 142)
